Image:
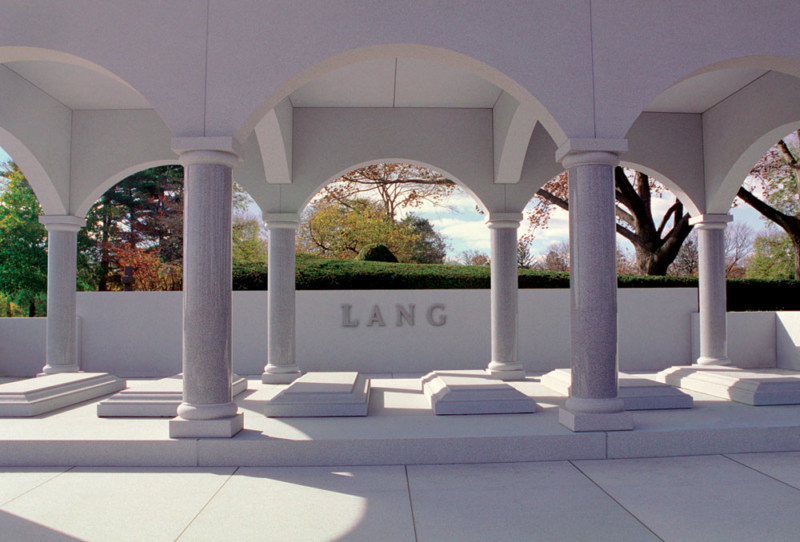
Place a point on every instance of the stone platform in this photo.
(154, 398)
(473, 392)
(400, 429)
(756, 387)
(34, 396)
(637, 392)
(321, 394)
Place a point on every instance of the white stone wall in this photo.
(139, 333)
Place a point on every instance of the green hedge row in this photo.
(324, 274)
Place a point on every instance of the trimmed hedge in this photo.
(325, 274)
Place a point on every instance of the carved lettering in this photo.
(346, 321)
(442, 318)
(375, 317)
(405, 314)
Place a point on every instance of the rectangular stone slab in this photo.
(322, 394)
(756, 387)
(636, 393)
(34, 396)
(473, 392)
(155, 399)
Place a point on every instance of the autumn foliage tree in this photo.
(656, 243)
(776, 177)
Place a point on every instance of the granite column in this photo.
(711, 288)
(207, 409)
(593, 404)
(504, 364)
(281, 365)
(62, 251)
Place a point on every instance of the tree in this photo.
(738, 247)
(773, 258)
(334, 229)
(23, 242)
(776, 177)
(688, 259)
(428, 245)
(656, 246)
(397, 186)
(248, 246)
(475, 257)
(557, 257)
(525, 259)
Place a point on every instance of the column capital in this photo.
(504, 220)
(62, 222)
(586, 151)
(281, 220)
(716, 221)
(207, 150)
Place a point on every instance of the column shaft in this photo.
(281, 365)
(711, 290)
(504, 328)
(593, 404)
(207, 292)
(62, 235)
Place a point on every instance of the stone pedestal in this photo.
(46, 393)
(593, 404)
(756, 387)
(154, 399)
(504, 364)
(281, 365)
(711, 289)
(637, 393)
(62, 251)
(207, 409)
(322, 395)
(473, 392)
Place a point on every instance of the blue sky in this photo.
(465, 229)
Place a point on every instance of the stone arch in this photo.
(34, 172)
(529, 106)
(332, 177)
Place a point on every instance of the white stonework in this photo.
(156, 399)
(35, 396)
(322, 394)
(636, 392)
(473, 392)
(757, 387)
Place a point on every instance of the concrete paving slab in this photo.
(18, 481)
(347, 503)
(784, 466)
(117, 503)
(705, 498)
(522, 501)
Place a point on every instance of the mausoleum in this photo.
(284, 97)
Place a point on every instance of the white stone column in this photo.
(504, 364)
(207, 409)
(593, 404)
(62, 253)
(281, 365)
(711, 288)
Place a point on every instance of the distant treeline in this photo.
(326, 274)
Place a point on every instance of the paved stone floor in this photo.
(716, 497)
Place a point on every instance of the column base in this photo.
(506, 372)
(581, 414)
(56, 369)
(280, 376)
(708, 360)
(584, 421)
(218, 428)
